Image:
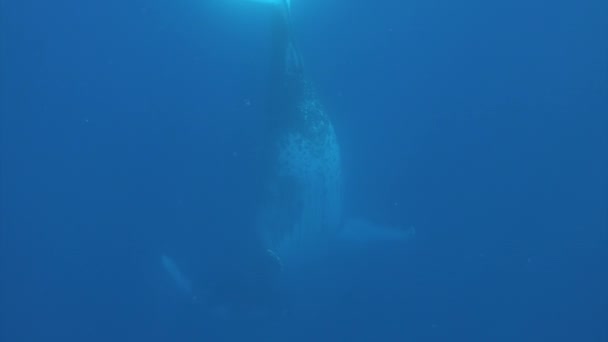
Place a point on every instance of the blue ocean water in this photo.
(130, 129)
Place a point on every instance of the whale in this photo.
(301, 205)
(300, 218)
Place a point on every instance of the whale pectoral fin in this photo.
(181, 282)
(362, 232)
(274, 260)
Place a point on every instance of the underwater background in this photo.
(130, 129)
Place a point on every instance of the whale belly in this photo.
(303, 212)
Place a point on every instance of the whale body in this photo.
(300, 217)
(302, 210)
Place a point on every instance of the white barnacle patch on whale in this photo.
(311, 151)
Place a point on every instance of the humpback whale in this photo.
(301, 210)
(300, 216)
